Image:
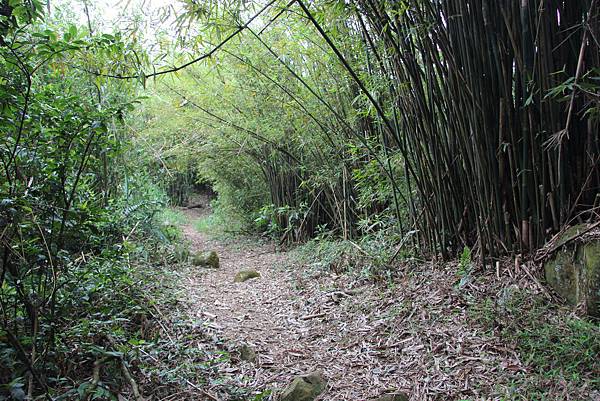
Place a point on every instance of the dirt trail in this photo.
(366, 339)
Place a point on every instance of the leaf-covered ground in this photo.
(434, 332)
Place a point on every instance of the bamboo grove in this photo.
(451, 123)
(431, 124)
(495, 106)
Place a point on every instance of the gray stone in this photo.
(574, 270)
(305, 388)
(393, 397)
(247, 353)
(245, 275)
(206, 259)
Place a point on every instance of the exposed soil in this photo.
(367, 339)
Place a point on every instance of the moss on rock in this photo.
(305, 388)
(247, 353)
(245, 275)
(574, 271)
(206, 259)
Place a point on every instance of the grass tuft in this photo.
(561, 351)
(169, 217)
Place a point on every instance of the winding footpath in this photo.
(367, 339)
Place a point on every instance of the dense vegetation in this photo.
(75, 204)
(464, 124)
(430, 127)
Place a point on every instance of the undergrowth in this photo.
(559, 348)
(371, 257)
(221, 221)
(171, 217)
(123, 331)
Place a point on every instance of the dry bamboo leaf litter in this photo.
(366, 338)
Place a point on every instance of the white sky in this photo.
(111, 8)
(151, 20)
(118, 13)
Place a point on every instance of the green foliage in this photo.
(464, 261)
(222, 221)
(266, 219)
(349, 132)
(280, 222)
(372, 257)
(74, 209)
(556, 346)
(284, 156)
(170, 217)
(569, 350)
(465, 265)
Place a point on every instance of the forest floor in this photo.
(422, 334)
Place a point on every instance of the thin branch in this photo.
(194, 61)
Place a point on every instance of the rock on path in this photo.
(368, 340)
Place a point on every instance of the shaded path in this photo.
(366, 339)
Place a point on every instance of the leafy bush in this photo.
(74, 209)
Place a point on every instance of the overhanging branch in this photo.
(194, 61)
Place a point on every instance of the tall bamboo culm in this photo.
(493, 102)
